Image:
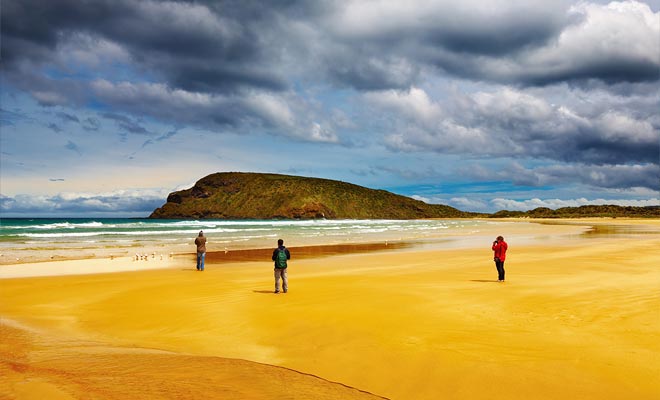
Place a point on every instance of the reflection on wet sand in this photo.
(302, 252)
(609, 229)
(620, 230)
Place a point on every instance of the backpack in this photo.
(280, 260)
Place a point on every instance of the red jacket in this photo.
(500, 250)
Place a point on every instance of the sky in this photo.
(107, 106)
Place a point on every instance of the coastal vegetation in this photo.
(244, 195)
(588, 211)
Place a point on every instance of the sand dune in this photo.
(579, 317)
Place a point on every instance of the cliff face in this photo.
(238, 195)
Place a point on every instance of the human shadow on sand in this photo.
(483, 280)
(263, 291)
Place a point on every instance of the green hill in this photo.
(240, 195)
(590, 211)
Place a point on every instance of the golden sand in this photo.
(578, 318)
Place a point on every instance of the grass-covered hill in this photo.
(591, 211)
(241, 195)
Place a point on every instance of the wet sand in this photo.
(579, 317)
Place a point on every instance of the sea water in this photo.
(29, 237)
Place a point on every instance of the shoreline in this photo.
(112, 260)
(26, 252)
(162, 251)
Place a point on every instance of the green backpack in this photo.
(280, 260)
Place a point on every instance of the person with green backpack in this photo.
(280, 256)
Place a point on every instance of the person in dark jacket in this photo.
(200, 242)
(499, 248)
(280, 256)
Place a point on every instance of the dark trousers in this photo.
(500, 269)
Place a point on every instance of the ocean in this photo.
(28, 239)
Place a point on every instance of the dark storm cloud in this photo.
(619, 176)
(606, 176)
(525, 126)
(608, 135)
(380, 45)
(230, 45)
(187, 44)
(233, 48)
(554, 41)
(252, 66)
(367, 74)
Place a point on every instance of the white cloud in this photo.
(375, 19)
(618, 126)
(525, 205)
(50, 98)
(272, 108)
(152, 95)
(184, 17)
(468, 204)
(515, 104)
(129, 202)
(413, 104)
(605, 33)
(320, 134)
(505, 122)
(84, 50)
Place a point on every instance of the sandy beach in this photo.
(577, 318)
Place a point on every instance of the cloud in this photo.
(413, 104)
(468, 204)
(282, 113)
(554, 42)
(525, 205)
(91, 124)
(234, 64)
(614, 176)
(613, 43)
(231, 46)
(604, 176)
(420, 34)
(193, 46)
(513, 123)
(126, 124)
(138, 201)
(533, 94)
(49, 98)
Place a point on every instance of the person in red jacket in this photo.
(499, 247)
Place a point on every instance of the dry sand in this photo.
(578, 318)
